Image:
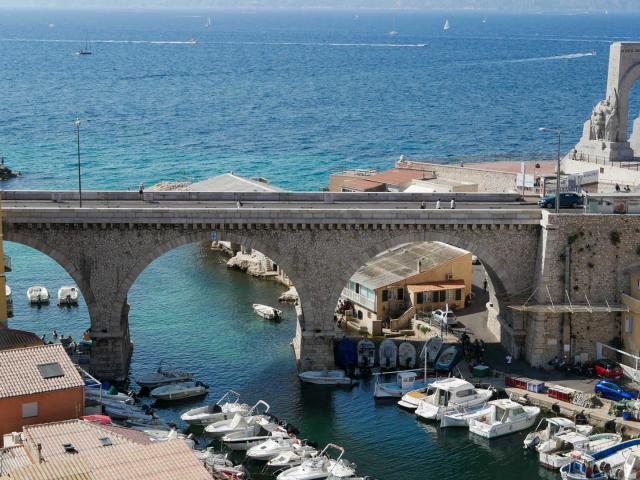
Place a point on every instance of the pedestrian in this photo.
(461, 163)
(617, 187)
(484, 285)
(43, 337)
(438, 204)
(453, 203)
(423, 206)
(238, 204)
(627, 188)
(55, 333)
(141, 190)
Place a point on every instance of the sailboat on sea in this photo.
(393, 31)
(85, 50)
(208, 22)
(446, 25)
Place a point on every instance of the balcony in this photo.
(632, 303)
(7, 263)
(359, 299)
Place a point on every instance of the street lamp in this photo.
(77, 123)
(556, 132)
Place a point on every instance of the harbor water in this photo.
(292, 97)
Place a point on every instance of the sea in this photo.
(291, 96)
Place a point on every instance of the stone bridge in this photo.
(320, 240)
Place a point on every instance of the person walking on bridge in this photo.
(438, 205)
(453, 203)
(423, 206)
(141, 191)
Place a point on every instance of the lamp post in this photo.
(77, 123)
(556, 132)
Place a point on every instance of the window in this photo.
(359, 314)
(401, 294)
(357, 288)
(368, 314)
(30, 410)
(451, 294)
(628, 324)
(638, 283)
(50, 370)
(458, 294)
(385, 295)
(420, 298)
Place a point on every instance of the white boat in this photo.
(162, 435)
(446, 25)
(461, 416)
(447, 358)
(272, 447)
(239, 421)
(411, 400)
(432, 348)
(325, 377)
(68, 295)
(407, 355)
(607, 464)
(9, 298)
(220, 463)
(561, 449)
(254, 435)
(226, 407)
(388, 354)
(38, 294)
(208, 22)
(101, 395)
(406, 381)
(320, 467)
(292, 458)
(265, 311)
(163, 376)
(179, 391)
(127, 412)
(549, 428)
(448, 395)
(506, 417)
(366, 353)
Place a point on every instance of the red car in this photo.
(607, 369)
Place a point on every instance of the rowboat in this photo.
(325, 377)
(38, 294)
(179, 391)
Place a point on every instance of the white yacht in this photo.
(272, 447)
(320, 467)
(179, 391)
(448, 395)
(68, 295)
(325, 377)
(163, 376)
(292, 458)
(226, 407)
(267, 312)
(549, 428)
(506, 417)
(239, 421)
(38, 295)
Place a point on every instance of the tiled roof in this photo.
(362, 184)
(20, 374)
(10, 338)
(228, 182)
(397, 176)
(12, 458)
(71, 467)
(435, 286)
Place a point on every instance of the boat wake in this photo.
(569, 56)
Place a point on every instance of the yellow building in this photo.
(631, 319)
(422, 276)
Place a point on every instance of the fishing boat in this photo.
(461, 416)
(67, 295)
(549, 428)
(606, 464)
(325, 377)
(320, 467)
(292, 458)
(405, 382)
(254, 435)
(38, 294)
(163, 376)
(449, 394)
(447, 358)
(407, 355)
(366, 353)
(388, 354)
(179, 391)
(446, 25)
(267, 312)
(506, 417)
(226, 407)
(239, 421)
(560, 450)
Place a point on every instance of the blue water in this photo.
(292, 97)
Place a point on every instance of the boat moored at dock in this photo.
(325, 377)
(38, 295)
(179, 391)
(226, 407)
(267, 312)
(406, 381)
(68, 295)
(163, 376)
(239, 421)
(321, 467)
(448, 395)
(506, 417)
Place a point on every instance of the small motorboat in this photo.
(226, 407)
(9, 298)
(239, 421)
(38, 295)
(163, 376)
(556, 452)
(432, 348)
(606, 464)
(388, 354)
(405, 383)
(406, 355)
(325, 377)
(320, 467)
(447, 358)
(254, 435)
(461, 416)
(366, 354)
(549, 428)
(411, 400)
(68, 295)
(271, 447)
(161, 435)
(179, 391)
(292, 458)
(267, 312)
(217, 462)
(448, 396)
(128, 412)
(101, 395)
(506, 417)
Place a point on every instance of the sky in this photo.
(512, 5)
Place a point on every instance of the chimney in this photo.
(39, 448)
(419, 265)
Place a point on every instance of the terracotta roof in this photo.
(10, 338)
(397, 176)
(362, 184)
(12, 458)
(71, 467)
(435, 286)
(21, 376)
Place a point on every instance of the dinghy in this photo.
(388, 354)
(407, 355)
(163, 376)
(325, 377)
(320, 467)
(447, 358)
(506, 417)
(405, 382)
(38, 295)
(448, 395)
(239, 421)
(68, 295)
(366, 353)
(267, 312)
(549, 428)
(461, 416)
(179, 391)
(226, 407)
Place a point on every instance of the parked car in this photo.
(613, 391)
(475, 260)
(446, 317)
(567, 200)
(607, 369)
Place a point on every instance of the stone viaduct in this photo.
(320, 240)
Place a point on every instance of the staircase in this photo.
(404, 320)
